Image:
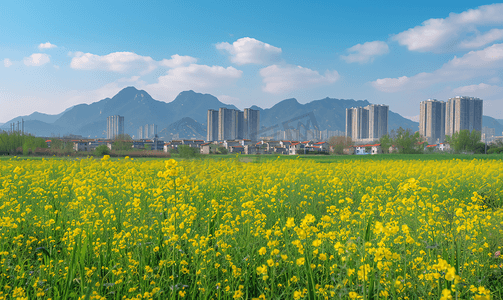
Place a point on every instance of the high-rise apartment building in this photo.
(212, 126)
(432, 120)
(239, 125)
(226, 124)
(463, 113)
(378, 121)
(145, 132)
(231, 124)
(152, 130)
(115, 126)
(367, 123)
(251, 124)
(140, 133)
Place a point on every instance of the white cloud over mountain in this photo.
(120, 62)
(201, 77)
(251, 51)
(457, 31)
(123, 62)
(481, 90)
(177, 60)
(284, 79)
(46, 46)
(471, 65)
(36, 59)
(7, 62)
(365, 53)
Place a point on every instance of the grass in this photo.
(258, 226)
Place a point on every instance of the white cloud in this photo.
(198, 77)
(412, 118)
(229, 100)
(390, 84)
(279, 79)
(456, 31)
(365, 53)
(484, 39)
(130, 79)
(7, 62)
(478, 90)
(251, 51)
(37, 59)
(46, 46)
(177, 61)
(122, 62)
(471, 65)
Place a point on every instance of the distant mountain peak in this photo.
(129, 92)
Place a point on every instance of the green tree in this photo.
(407, 142)
(386, 142)
(57, 144)
(338, 143)
(187, 151)
(9, 142)
(466, 141)
(30, 143)
(123, 142)
(101, 150)
(222, 150)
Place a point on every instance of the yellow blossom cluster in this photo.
(272, 229)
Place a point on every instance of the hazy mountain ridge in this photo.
(186, 115)
(330, 114)
(493, 123)
(138, 109)
(186, 128)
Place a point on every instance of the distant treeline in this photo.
(11, 142)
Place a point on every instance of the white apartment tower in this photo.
(115, 126)
(212, 126)
(231, 124)
(251, 124)
(432, 120)
(463, 113)
(367, 123)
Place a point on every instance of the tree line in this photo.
(10, 142)
(404, 141)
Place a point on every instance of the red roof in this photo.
(429, 146)
(48, 141)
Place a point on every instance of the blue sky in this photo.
(62, 53)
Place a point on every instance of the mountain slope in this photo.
(329, 114)
(492, 123)
(186, 128)
(36, 116)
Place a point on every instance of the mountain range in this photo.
(186, 116)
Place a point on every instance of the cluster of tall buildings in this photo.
(438, 118)
(115, 126)
(147, 132)
(233, 124)
(366, 124)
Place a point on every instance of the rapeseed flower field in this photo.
(278, 229)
